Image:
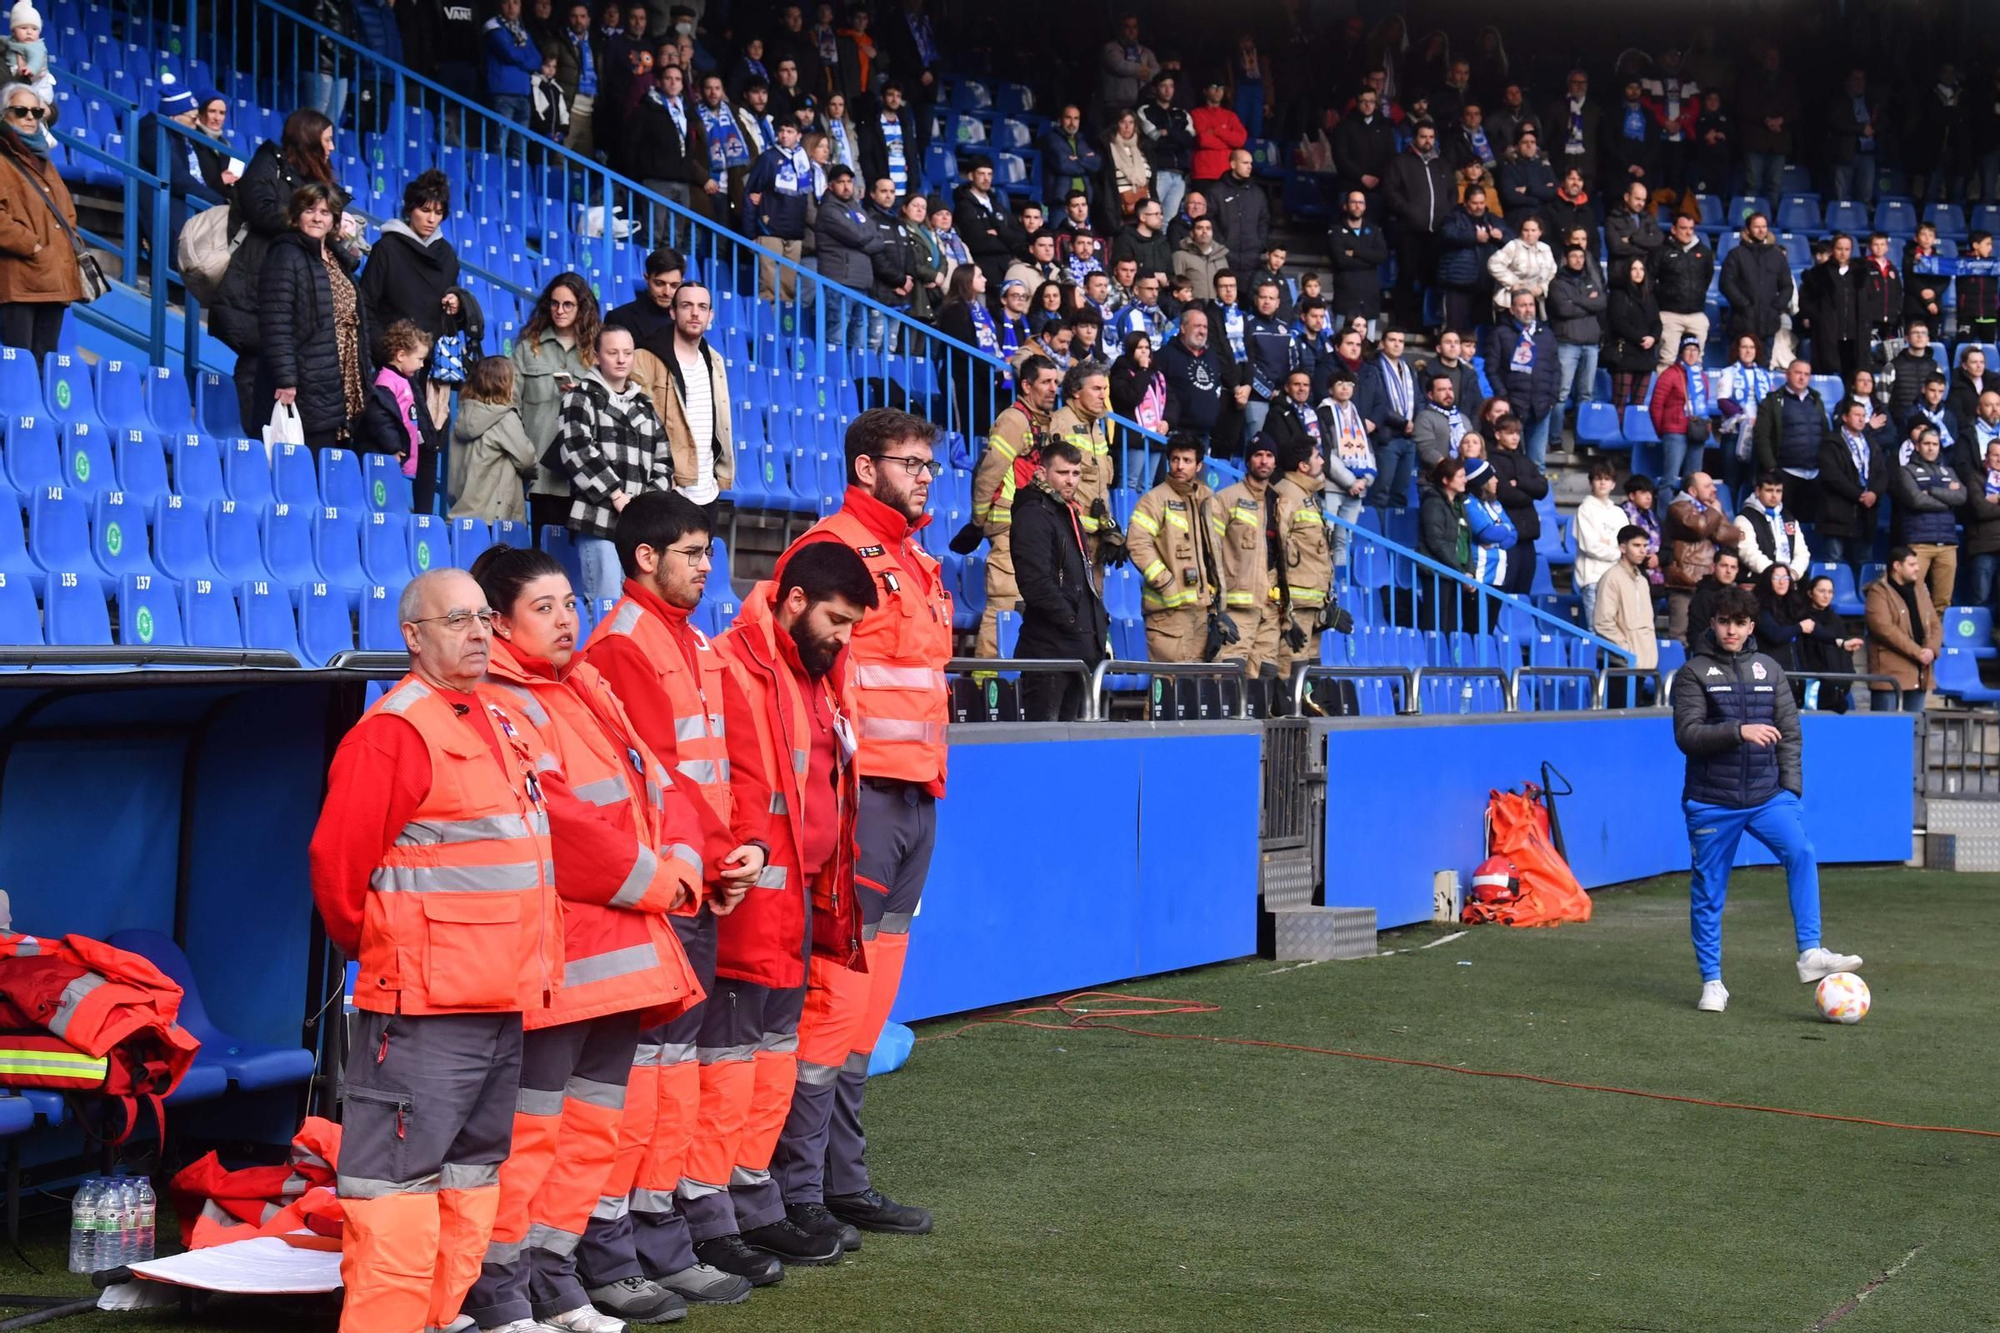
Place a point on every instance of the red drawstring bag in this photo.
(1517, 828)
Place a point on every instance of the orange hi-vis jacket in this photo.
(763, 940)
(623, 841)
(697, 698)
(899, 649)
(461, 913)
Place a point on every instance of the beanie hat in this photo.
(177, 102)
(1476, 473)
(1294, 454)
(1260, 443)
(24, 11)
(1689, 340)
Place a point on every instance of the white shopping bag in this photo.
(284, 427)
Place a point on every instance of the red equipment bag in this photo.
(79, 1016)
(1517, 832)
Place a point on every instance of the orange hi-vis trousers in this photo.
(748, 1052)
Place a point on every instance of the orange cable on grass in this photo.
(1085, 1020)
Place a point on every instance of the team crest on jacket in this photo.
(1757, 670)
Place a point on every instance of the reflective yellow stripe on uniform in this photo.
(1147, 522)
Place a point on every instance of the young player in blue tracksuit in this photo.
(1737, 723)
(1492, 532)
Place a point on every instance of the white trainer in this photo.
(1816, 962)
(519, 1326)
(1714, 997)
(585, 1319)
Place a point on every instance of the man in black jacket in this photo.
(893, 280)
(1757, 284)
(1169, 134)
(1681, 275)
(1061, 612)
(650, 314)
(1830, 311)
(1632, 230)
(1145, 242)
(1363, 143)
(1420, 194)
(989, 232)
(1359, 250)
(908, 39)
(1521, 484)
(666, 150)
(887, 140)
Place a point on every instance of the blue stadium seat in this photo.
(121, 394)
(337, 543)
(197, 467)
(87, 461)
(1597, 424)
(247, 1065)
(470, 537)
(235, 541)
(59, 530)
(118, 534)
(1898, 217)
(1958, 676)
(381, 630)
(221, 414)
(561, 543)
(1970, 629)
(180, 539)
(32, 457)
(246, 470)
(288, 544)
(66, 389)
(388, 489)
(340, 480)
(1637, 426)
(149, 613)
(20, 616)
(385, 549)
(77, 614)
(1841, 215)
(268, 621)
(509, 532)
(1846, 598)
(326, 626)
(293, 478)
(1799, 212)
(141, 464)
(212, 620)
(20, 384)
(430, 543)
(168, 407)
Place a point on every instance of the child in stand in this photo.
(492, 458)
(27, 53)
(391, 423)
(548, 113)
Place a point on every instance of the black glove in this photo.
(1295, 638)
(967, 539)
(1221, 633)
(1336, 618)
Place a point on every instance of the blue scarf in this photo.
(726, 148)
(1635, 122)
(920, 33)
(793, 167)
(892, 142)
(982, 327)
(1480, 146)
(757, 67)
(1697, 391)
(1455, 422)
(1937, 419)
(674, 107)
(586, 70)
(1012, 333)
(1232, 330)
(1964, 268)
(1402, 387)
(1307, 417)
(1857, 449)
(1781, 540)
(829, 45)
(1523, 360)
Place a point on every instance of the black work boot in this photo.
(872, 1210)
(815, 1219)
(794, 1244)
(731, 1255)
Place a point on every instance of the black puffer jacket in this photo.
(263, 195)
(295, 326)
(407, 279)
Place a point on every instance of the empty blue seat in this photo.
(86, 459)
(1799, 212)
(118, 534)
(430, 543)
(288, 544)
(66, 389)
(337, 535)
(20, 383)
(210, 612)
(1898, 217)
(246, 470)
(381, 627)
(509, 532)
(1958, 676)
(180, 539)
(326, 627)
(236, 541)
(1841, 215)
(59, 530)
(167, 404)
(293, 478)
(385, 548)
(121, 394)
(340, 480)
(32, 456)
(268, 621)
(1970, 629)
(20, 616)
(470, 537)
(77, 613)
(141, 464)
(149, 613)
(1637, 426)
(388, 489)
(197, 467)
(1597, 424)
(221, 414)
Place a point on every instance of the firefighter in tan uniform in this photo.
(1173, 548)
(1081, 420)
(1246, 546)
(993, 482)
(1306, 547)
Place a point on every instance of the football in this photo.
(1842, 998)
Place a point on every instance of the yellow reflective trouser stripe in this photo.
(1301, 594)
(88, 1071)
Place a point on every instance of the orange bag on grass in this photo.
(1517, 829)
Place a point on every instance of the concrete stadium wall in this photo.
(1407, 797)
(1073, 855)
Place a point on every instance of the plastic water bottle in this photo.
(110, 1226)
(149, 1218)
(128, 1221)
(83, 1226)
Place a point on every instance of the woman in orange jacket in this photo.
(629, 860)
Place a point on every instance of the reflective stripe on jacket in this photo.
(1237, 521)
(1308, 548)
(1163, 541)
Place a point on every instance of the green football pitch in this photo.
(1089, 1180)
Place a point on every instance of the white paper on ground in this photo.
(260, 1266)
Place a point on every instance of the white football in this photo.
(1842, 998)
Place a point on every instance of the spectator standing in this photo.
(1125, 67)
(1903, 634)
(1713, 148)
(1962, 443)
(1507, 116)
(1493, 542)
(212, 119)
(1127, 175)
(1467, 240)
(1420, 195)
(1004, 467)
(548, 104)
(1852, 475)
(1632, 140)
(1069, 160)
(925, 257)
(911, 48)
(1695, 528)
(185, 169)
(843, 138)
(1830, 310)
(1757, 284)
(611, 446)
(1596, 527)
(1573, 209)
(512, 60)
(1242, 213)
(790, 102)
(1062, 615)
(1387, 396)
(1979, 293)
(1682, 270)
(311, 325)
(1206, 390)
(1450, 360)
(1170, 140)
(1768, 104)
(846, 243)
(493, 459)
(1923, 292)
(38, 278)
(1621, 607)
(729, 155)
(1770, 535)
(1445, 536)
(888, 140)
(1632, 332)
(649, 315)
(1910, 370)
(1440, 427)
(556, 348)
(1936, 148)
(1349, 460)
(413, 266)
(1217, 133)
(1200, 258)
(1721, 578)
(576, 72)
(689, 389)
(1363, 143)
(1086, 401)
(1575, 126)
(1851, 139)
(1970, 383)
(1683, 411)
(894, 282)
(1674, 102)
(1145, 243)
(1577, 305)
(1526, 371)
(1928, 496)
(1829, 646)
(1270, 356)
(778, 195)
(989, 232)
(1524, 264)
(1359, 249)
(1526, 180)
(391, 423)
(1982, 521)
(1791, 423)
(1172, 545)
(1632, 230)
(1521, 484)
(1138, 391)
(1639, 511)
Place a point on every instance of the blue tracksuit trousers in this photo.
(1713, 833)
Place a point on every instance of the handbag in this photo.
(88, 274)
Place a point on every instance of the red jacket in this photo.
(1217, 133)
(770, 763)
(1670, 400)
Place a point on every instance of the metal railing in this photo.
(1958, 754)
(1408, 677)
(124, 655)
(1609, 674)
(1530, 673)
(1469, 674)
(1000, 666)
(1224, 673)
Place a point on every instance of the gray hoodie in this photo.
(492, 462)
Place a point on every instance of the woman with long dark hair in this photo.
(1138, 391)
(311, 325)
(1796, 624)
(966, 317)
(555, 349)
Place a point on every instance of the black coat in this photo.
(1362, 149)
(1830, 303)
(1757, 284)
(1420, 192)
(1521, 484)
(1628, 317)
(262, 197)
(1358, 256)
(1151, 253)
(872, 147)
(991, 235)
(1840, 510)
(656, 149)
(295, 329)
(1527, 187)
(405, 279)
(1061, 613)
(1565, 216)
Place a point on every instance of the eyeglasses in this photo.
(911, 464)
(694, 555)
(562, 305)
(458, 622)
(26, 112)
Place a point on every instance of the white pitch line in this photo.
(1445, 939)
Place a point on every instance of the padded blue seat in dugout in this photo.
(246, 1065)
(17, 1116)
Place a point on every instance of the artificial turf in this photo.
(1099, 1180)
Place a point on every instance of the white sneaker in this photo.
(522, 1326)
(585, 1319)
(1816, 962)
(1714, 997)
